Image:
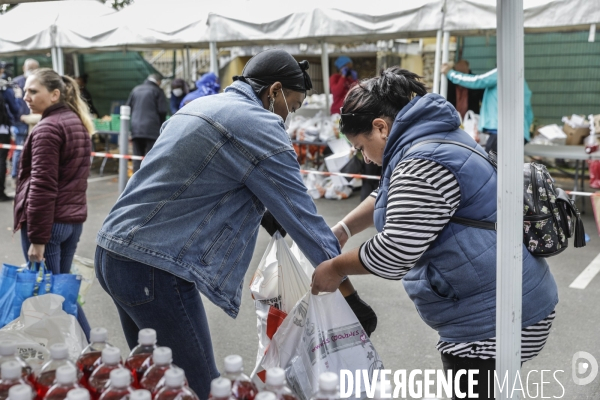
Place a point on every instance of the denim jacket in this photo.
(194, 207)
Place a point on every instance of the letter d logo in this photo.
(581, 367)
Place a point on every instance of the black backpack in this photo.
(550, 217)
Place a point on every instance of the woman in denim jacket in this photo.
(188, 219)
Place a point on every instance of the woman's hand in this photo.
(36, 252)
(340, 234)
(326, 278)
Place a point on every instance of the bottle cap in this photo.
(78, 394)
(233, 363)
(111, 355)
(59, 351)
(220, 387)
(328, 381)
(174, 377)
(275, 376)
(120, 377)
(162, 356)
(66, 374)
(20, 392)
(8, 348)
(10, 370)
(98, 335)
(141, 394)
(265, 396)
(147, 336)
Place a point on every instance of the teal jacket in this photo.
(488, 118)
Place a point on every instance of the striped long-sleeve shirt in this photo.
(422, 197)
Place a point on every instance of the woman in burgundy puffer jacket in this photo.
(50, 202)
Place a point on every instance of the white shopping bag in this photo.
(470, 124)
(321, 334)
(84, 267)
(278, 284)
(41, 324)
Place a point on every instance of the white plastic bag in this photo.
(41, 324)
(278, 284)
(337, 188)
(314, 185)
(84, 267)
(470, 124)
(321, 334)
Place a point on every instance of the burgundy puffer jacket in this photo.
(52, 179)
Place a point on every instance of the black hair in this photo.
(382, 96)
(4, 115)
(275, 65)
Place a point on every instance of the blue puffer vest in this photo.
(453, 284)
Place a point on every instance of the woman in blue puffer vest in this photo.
(448, 269)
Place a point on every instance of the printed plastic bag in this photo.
(594, 167)
(314, 185)
(470, 124)
(337, 188)
(278, 284)
(321, 334)
(42, 323)
(85, 268)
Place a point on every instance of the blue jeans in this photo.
(148, 297)
(59, 253)
(19, 140)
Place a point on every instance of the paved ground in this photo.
(402, 339)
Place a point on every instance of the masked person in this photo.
(448, 269)
(188, 219)
(179, 89)
(207, 85)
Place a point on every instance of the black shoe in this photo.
(4, 197)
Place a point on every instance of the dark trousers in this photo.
(148, 297)
(58, 254)
(486, 368)
(4, 139)
(141, 147)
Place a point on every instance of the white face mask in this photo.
(177, 92)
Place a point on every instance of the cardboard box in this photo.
(575, 136)
(553, 133)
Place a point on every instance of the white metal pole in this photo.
(509, 258)
(188, 62)
(124, 146)
(325, 70)
(61, 61)
(75, 64)
(437, 66)
(214, 59)
(445, 57)
(54, 59)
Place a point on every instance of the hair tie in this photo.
(240, 78)
(307, 81)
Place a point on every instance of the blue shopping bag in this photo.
(15, 282)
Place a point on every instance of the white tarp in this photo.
(31, 27)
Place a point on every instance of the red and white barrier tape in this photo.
(93, 153)
(356, 176)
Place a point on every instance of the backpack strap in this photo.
(492, 226)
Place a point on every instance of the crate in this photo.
(100, 125)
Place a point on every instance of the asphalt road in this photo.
(402, 339)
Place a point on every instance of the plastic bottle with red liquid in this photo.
(139, 358)
(110, 360)
(140, 394)
(242, 387)
(20, 392)
(162, 360)
(44, 379)
(276, 383)
(175, 387)
(8, 352)
(66, 380)
(78, 394)
(220, 389)
(10, 375)
(328, 387)
(90, 357)
(119, 387)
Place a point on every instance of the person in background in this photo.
(179, 89)
(188, 220)
(85, 94)
(448, 269)
(50, 203)
(460, 97)
(207, 85)
(21, 123)
(341, 82)
(488, 116)
(148, 112)
(5, 131)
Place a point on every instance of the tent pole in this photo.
(325, 69)
(61, 61)
(54, 59)
(437, 64)
(174, 70)
(509, 257)
(76, 65)
(445, 57)
(188, 63)
(214, 59)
